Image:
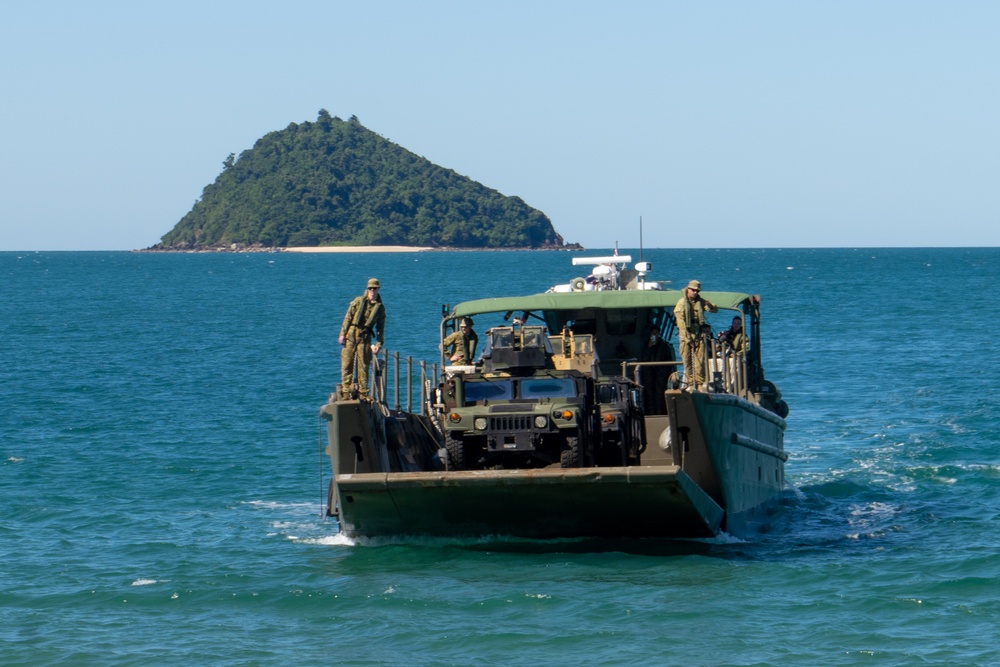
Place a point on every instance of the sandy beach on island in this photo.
(358, 248)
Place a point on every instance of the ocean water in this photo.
(161, 481)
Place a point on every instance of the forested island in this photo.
(336, 183)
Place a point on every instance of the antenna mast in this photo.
(640, 238)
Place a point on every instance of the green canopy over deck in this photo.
(607, 299)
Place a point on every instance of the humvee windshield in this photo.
(547, 388)
(493, 390)
(525, 389)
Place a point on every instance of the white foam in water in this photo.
(285, 526)
(873, 509)
(338, 540)
(274, 505)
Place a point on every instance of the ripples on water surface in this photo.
(161, 481)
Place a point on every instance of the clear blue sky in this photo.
(722, 124)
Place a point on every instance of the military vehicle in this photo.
(519, 411)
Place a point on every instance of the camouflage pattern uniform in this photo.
(461, 345)
(690, 315)
(364, 317)
(736, 340)
(734, 343)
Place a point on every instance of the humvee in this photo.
(518, 410)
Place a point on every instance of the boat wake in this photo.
(338, 540)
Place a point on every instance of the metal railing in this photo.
(725, 369)
(429, 379)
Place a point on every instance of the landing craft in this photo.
(574, 422)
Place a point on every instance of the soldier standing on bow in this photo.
(690, 315)
(365, 317)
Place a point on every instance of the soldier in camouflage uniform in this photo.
(734, 337)
(365, 316)
(690, 315)
(461, 345)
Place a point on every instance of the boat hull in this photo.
(719, 468)
(734, 450)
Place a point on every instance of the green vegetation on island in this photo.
(334, 182)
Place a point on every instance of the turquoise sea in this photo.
(161, 481)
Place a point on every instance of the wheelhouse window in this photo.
(622, 322)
